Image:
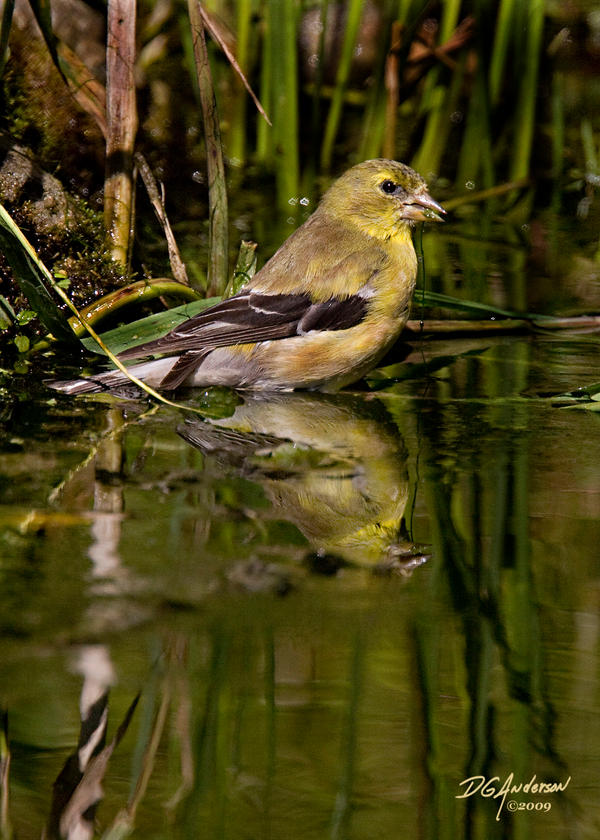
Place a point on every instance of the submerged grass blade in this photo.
(383, 377)
(586, 397)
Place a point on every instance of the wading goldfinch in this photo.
(320, 313)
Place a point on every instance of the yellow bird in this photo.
(320, 313)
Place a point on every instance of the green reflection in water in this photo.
(356, 703)
(260, 580)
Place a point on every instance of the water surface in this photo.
(332, 609)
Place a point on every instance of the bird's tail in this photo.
(152, 373)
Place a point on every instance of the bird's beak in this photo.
(422, 208)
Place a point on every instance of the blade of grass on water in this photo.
(433, 299)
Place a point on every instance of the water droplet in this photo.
(470, 185)
(304, 201)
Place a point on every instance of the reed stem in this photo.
(218, 236)
(527, 90)
(121, 127)
(285, 99)
(343, 73)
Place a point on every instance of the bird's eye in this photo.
(388, 187)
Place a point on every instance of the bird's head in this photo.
(382, 197)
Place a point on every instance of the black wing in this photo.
(250, 317)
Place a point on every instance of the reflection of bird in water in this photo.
(335, 466)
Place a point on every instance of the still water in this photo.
(316, 617)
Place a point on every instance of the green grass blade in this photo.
(139, 292)
(42, 12)
(217, 189)
(236, 145)
(586, 397)
(343, 73)
(425, 297)
(528, 90)
(500, 49)
(148, 328)
(264, 133)
(33, 278)
(245, 268)
(285, 100)
(7, 314)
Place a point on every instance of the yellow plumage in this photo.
(321, 312)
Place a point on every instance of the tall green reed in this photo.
(217, 188)
(278, 147)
